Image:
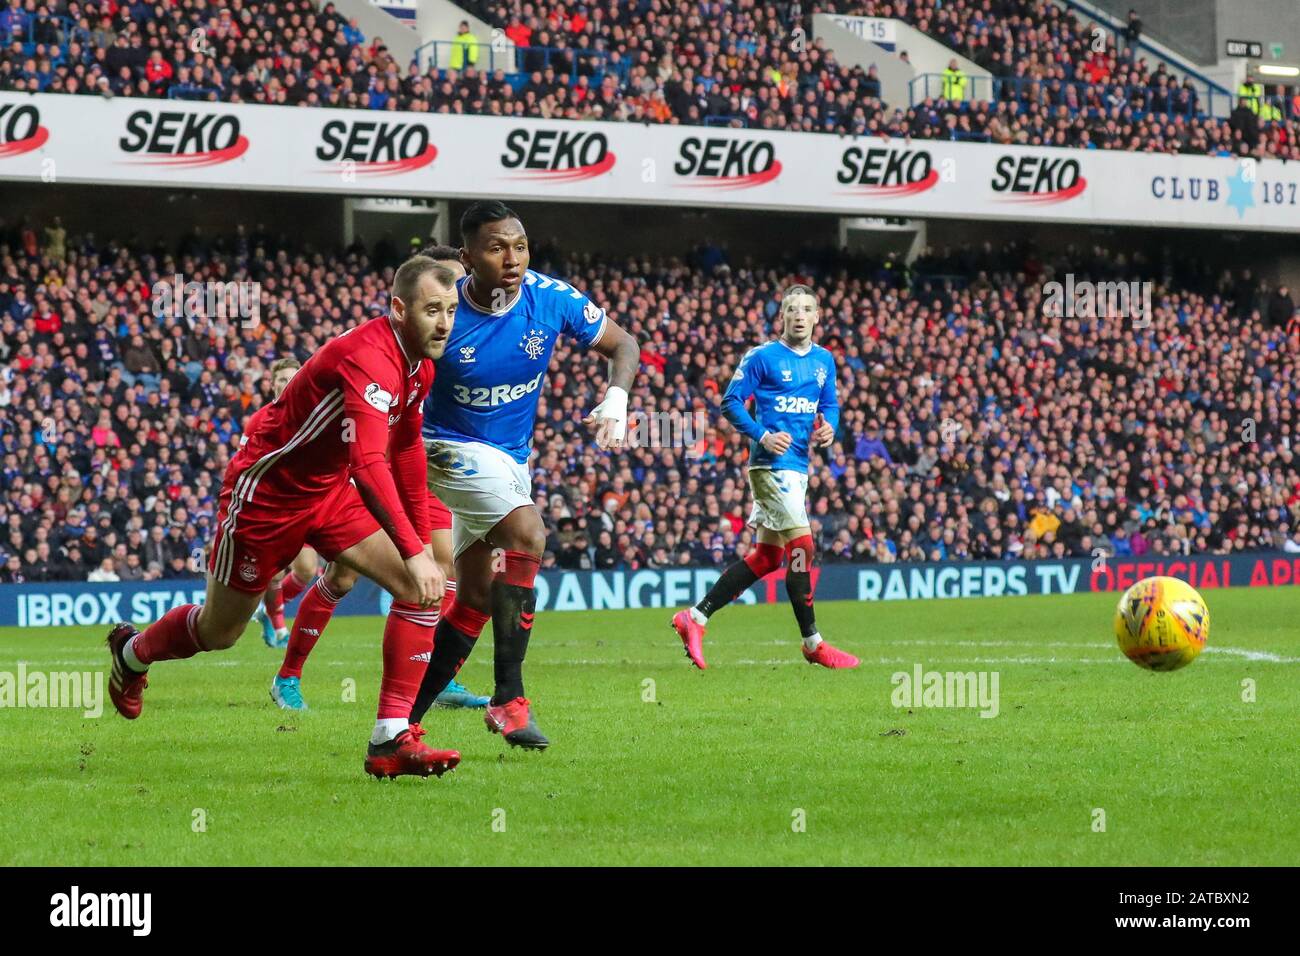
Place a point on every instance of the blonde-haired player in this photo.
(320, 601)
(792, 382)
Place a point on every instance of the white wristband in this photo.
(614, 407)
(615, 403)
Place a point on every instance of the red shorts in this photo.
(439, 513)
(255, 541)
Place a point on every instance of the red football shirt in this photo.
(352, 411)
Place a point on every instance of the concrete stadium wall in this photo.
(398, 37)
(926, 56)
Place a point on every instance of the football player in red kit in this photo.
(338, 464)
(331, 587)
(289, 584)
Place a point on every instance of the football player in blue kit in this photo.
(792, 382)
(478, 431)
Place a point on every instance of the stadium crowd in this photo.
(1059, 80)
(730, 62)
(976, 423)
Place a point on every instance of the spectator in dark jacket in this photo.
(1280, 308)
(1245, 123)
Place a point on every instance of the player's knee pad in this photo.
(764, 559)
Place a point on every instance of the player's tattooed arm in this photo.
(610, 416)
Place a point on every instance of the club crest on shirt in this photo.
(380, 398)
(820, 375)
(414, 394)
(533, 343)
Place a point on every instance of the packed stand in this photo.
(973, 425)
(1062, 81)
(723, 62)
(292, 52)
(735, 67)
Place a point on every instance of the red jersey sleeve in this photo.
(371, 393)
(406, 456)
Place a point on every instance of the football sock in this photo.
(798, 584)
(313, 615)
(274, 601)
(173, 637)
(292, 586)
(514, 602)
(408, 643)
(740, 575)
(452, 642)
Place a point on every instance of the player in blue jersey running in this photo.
(478, 431)
(792, 382)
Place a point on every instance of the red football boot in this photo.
(514, 721)
(831, 657)
(692, 635)
(405, 755)
(125, 686)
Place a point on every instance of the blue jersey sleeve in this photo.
(742, 385)
(829, 404)
(580, 318)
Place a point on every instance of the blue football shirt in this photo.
(489, 380)
(789, 389)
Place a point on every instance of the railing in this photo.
(516, 61)
(923, 86)
(189, 92)
(983, 89)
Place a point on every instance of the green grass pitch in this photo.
(760, 760)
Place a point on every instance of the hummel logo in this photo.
(526, 620)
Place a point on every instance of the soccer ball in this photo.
(1161, 623)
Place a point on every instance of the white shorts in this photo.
(778, 498)
(479, 484)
